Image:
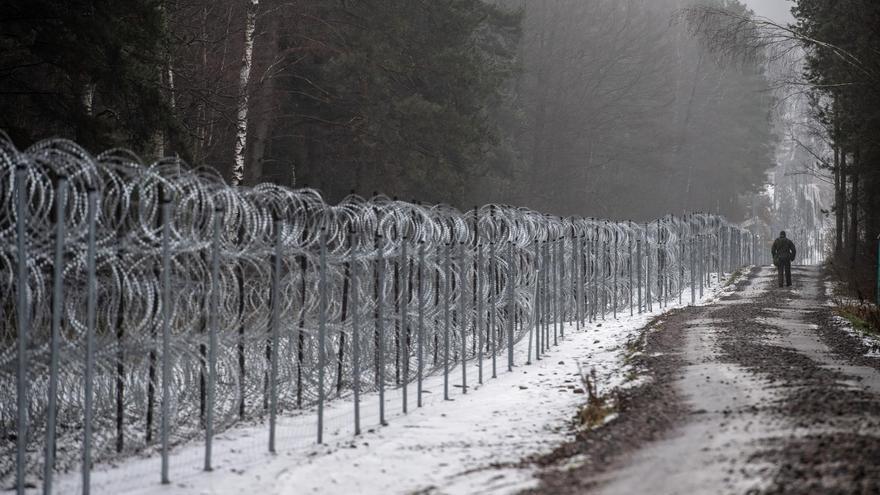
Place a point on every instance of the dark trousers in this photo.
(784, 270)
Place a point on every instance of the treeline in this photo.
(843, 67)
(590, 107)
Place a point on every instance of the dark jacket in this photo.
(783, 251)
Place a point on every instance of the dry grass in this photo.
(863, 316)
(597, 409)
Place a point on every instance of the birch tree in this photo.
(241, 121)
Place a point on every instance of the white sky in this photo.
(777, 10)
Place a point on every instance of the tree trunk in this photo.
(843, 206)
(265, 105)
(854, 214)
(159, 133)
(241, 121)
(839, 207)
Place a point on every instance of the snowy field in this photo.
(472, 443)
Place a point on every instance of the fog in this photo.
(627, 114)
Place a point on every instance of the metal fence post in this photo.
(649, 300)
(91, 307)
(680, 263)
(573, 280)
(322, 329)
(639, 271)
(693, 271)
(615, 262)
(421, 325)
(548, 293)
(878, 270)
(166, 332)
(592, 265)
(719, 253)
(404, 312)
(511, 279)
(355, 336)
(544, 276)
(57, 310)
(560, 283)
(493, 340)
(273, 328)
(579, 277)
(662, 271)
(629, 269)
(533, 330)
(478, 316)
(213, 303)
(446, 288)
(380, 325)
(701, 262)
(588, 277)
(462, 318)
(563, 299)
(554, 284)
(539, 298)
(604, 251)
(22, 314)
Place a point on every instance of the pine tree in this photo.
(83, 69)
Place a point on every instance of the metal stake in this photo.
(639, 271)
(478, 316)
(273, 328)
(404, 329)
(91, 307)
(57, 310)
(166, 333)
(462, 319)
(22, 313)
(492, 292)
(322, 330)
(355, 336)
(214, 302)
(380, 324)
(511, 305)
(446, 288)
(421, 324)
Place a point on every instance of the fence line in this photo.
(158, 289)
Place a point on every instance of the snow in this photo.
(868, 340)
(473, 443)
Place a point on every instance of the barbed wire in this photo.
(407, 289)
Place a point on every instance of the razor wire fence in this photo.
(146, 305)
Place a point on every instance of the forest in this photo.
(598, 108)
(843, 72)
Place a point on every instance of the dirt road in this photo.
(759, 393)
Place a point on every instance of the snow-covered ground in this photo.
(471, 444)
(834, 288)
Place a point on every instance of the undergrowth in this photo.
(597, 409)
(863, 317)
(734, 277)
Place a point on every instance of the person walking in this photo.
(783, 254)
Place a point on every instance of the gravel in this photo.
(812, 412)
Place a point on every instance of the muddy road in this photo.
(758, 393)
